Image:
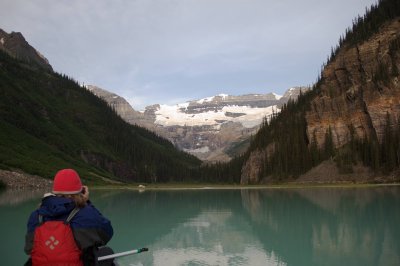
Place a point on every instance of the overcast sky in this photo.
(171, 51)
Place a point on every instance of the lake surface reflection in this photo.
(313, 226)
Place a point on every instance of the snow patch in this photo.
(183, 105)
(2, 40)
(208, 99)
(223, 95)
(199, 150)
(217, 127)
(168, 115)
(277, 96)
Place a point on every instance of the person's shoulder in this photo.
(52, 199)
(87, 216)
(89, 211)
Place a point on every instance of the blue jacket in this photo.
(90, 228)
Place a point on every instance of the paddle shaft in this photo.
(121, 254)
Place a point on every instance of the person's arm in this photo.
(90, 227)
(32, 223)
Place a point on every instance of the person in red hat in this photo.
(66, 229)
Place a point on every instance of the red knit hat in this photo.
(67, 181)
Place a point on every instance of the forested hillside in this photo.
(48, 122)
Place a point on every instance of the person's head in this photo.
(67, 183)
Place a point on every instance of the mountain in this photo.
(16, 46)
(213, 129)
(125, 110)
(117, 103)
(349, 120)
(210, 128)
(48, 122)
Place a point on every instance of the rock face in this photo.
(15, 45)
(359, 91)
(119, 104)
(208, 128)
(213, 128)
(352, 94)
(125, 110)
(252, 167)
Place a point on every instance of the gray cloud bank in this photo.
(167, 51)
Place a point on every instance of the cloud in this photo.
(160, 50)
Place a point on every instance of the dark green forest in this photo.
(294, 153)
(49, 122)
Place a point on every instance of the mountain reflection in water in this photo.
(328, 226)
(313, 226)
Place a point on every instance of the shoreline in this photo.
(188, 186)
(18, 180)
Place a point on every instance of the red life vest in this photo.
(54, 244)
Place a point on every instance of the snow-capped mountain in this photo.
(247, 110)
(211, 128)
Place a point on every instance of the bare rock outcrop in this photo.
(359, 93)
(252, 168)
(352, 97)
(15, 45)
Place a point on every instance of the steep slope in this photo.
(125, 110)
(213, 129)
(15, 45)
(352, 94)
(351, 116)
(119, 104)
(48, 122)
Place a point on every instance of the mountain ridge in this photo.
(209, 127)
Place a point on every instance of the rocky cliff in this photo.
(358, 95)
(15, 45)
(213, 128)
(354, 94)
(125, 110)
(119, 104)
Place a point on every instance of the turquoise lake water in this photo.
(310, 226)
